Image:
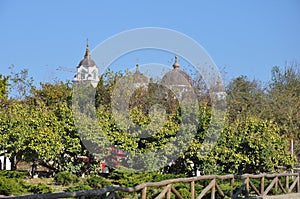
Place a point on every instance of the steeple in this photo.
(87, 60)
(87, 50)
(87, 71)
(176, 64)
(137, 65)
(219, 85)
(138, 78)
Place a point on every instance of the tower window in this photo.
(82, 75)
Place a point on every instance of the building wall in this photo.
(5, 163)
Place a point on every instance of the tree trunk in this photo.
(13, 162)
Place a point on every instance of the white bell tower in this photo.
(87, 71)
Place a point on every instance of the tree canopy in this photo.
(41, 127)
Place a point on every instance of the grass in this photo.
(50, 182)
(47, 181)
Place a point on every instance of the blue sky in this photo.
(242, 37)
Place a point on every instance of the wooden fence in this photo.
(278, 183)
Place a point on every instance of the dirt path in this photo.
(286, 196)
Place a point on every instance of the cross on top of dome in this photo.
(176, 65)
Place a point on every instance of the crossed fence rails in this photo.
(284, 182)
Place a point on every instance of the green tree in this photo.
(283, 101)
(21, 84)
(40, 129)
(3, 88)
(56, 98)
(245, 98)
(251, 146)
(29, 133)
(137, 120)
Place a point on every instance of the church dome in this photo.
(138, 77)
(176, 77)
(179, 83)
(87, 60)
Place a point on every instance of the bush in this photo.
(97, 182)
(9, 186)
(79, 187)
(40, 188)
(13, 174)
(126, 179)
(65, 178)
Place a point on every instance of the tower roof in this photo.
(138, 76)
(87, 60)
(176, 76)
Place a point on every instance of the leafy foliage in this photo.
(283, 102)
(3, 87)
(9, 186)
(97, 182)
(13, 174)
(40, 188)
(65, 178)
(252, 146)
(29, 133)
(78, 188)
(245, 98)
(39, 127)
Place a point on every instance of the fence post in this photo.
(276, 184)
(144, 194)
(193, 190)
(169, 193)
(247, 187)
(298, 183)
(213, 189)
(287, 187)
(262, 185)
(232, 186)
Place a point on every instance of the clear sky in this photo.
(243, 37)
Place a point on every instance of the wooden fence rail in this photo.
(286, 182)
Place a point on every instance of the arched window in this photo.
(83, 75)
(94, 75)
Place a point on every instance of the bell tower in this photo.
(87, 71)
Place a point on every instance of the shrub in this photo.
(126, 179)
(9, 186)
(13, 174)
(78, 188)
(97, 182)
(40, 188)
(65, 178)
